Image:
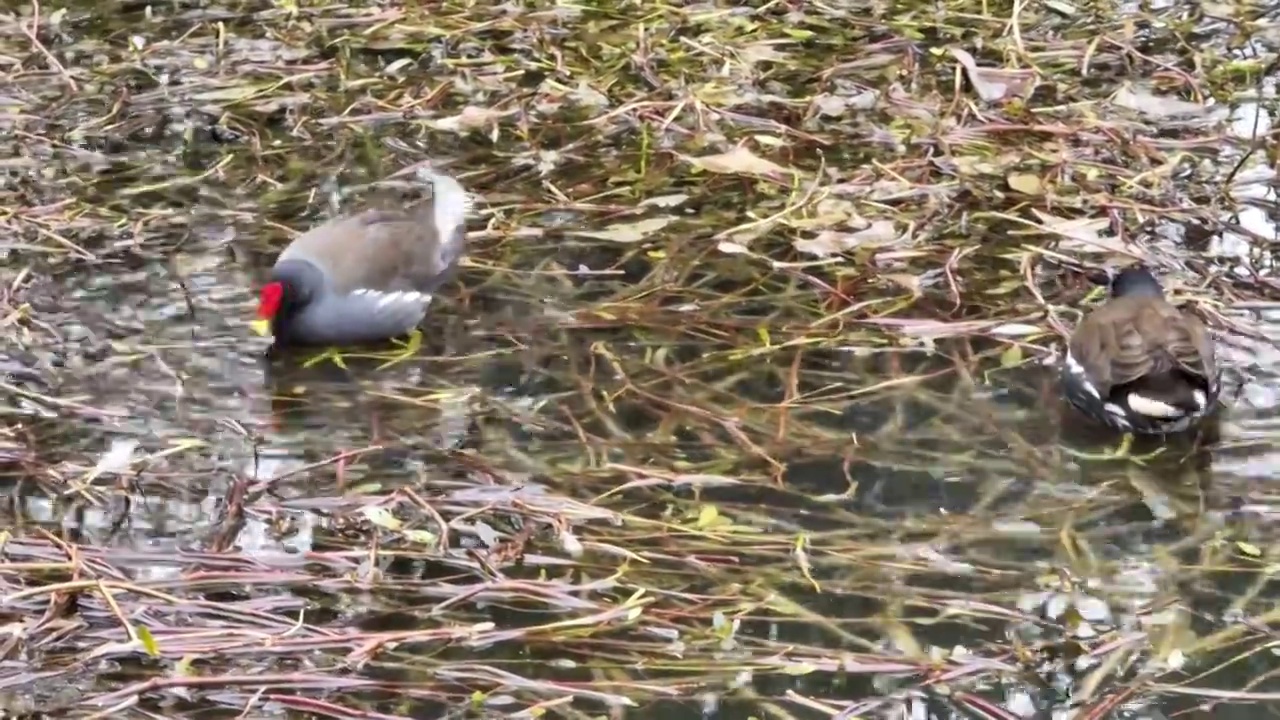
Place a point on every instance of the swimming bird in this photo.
(366, 277)
(1140, 365)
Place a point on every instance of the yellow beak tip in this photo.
(261, 327)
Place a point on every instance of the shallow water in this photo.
(894, 458)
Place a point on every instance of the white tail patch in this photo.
(451, 203)
(1153, 408)
(1200, 398)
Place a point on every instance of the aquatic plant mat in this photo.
(743, 405)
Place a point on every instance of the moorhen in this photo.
(366, 277)
(1140, 365)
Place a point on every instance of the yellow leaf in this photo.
(1025, 183)
(183, 666)
(707, 516)
(148, 641)
(632, 232)
(1011, 356)
(422, 537)
(381, 517)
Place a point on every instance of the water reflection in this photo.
(637, 468)
(975, 470)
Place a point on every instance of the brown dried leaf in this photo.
(627, 232)
(830, 212)
(833, 105)
(1025, 183)
(740, 161)
(1083, 234)
(665, 201)
(995, 84)
(910, 282)
(763, 51)
(471, 118)
(831, 242)
(1151, 105)
(732, 248)
(825, 243)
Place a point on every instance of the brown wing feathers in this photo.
(371, 249)
(1138, 363)
(1132, 337)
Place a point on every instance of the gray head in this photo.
(1136, 281)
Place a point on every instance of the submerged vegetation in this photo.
(742, 406)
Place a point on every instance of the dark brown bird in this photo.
(1139, 364)
(366, 277)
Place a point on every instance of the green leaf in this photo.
(148, 641)
(1011, 356)
(422, 537)
(381, 517)
(707, 516)
(183, 667)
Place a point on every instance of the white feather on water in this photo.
(117, 459)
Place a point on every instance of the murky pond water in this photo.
(744, 404)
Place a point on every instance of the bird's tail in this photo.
(1170, 394)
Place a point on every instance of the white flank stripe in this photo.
(400, 297)
(1075, 368)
